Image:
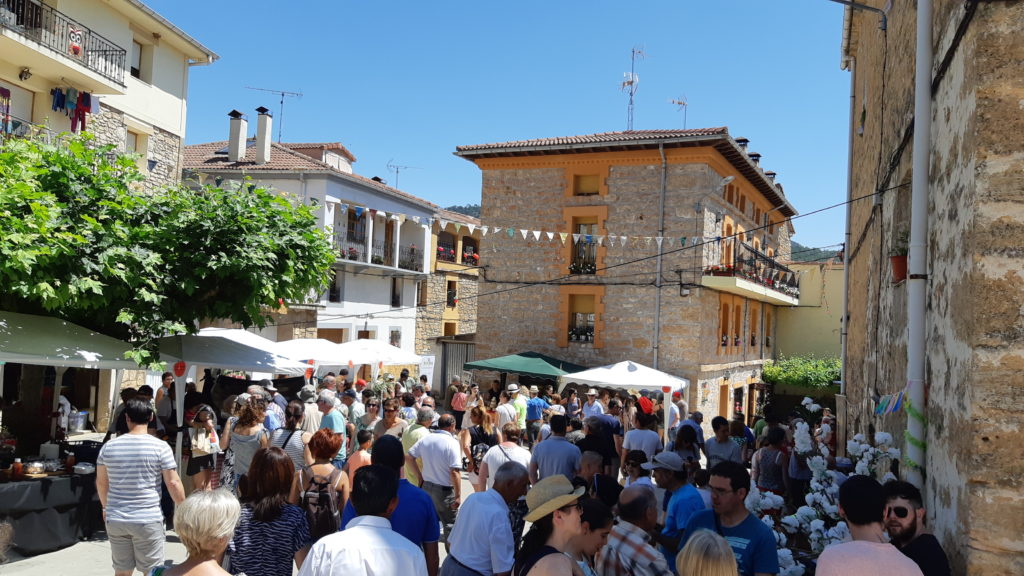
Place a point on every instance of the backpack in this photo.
(320, 501)
(480, 445)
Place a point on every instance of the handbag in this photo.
(204, 442)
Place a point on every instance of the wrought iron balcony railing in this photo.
(381, 253)
(410, 258)
(756, 266)
(446, 252)
(57, 31)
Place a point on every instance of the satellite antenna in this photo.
(392, 167)
(280, 116)
(630, 83)
(681, 103)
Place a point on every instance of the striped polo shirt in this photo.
(135, 465)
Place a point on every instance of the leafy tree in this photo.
(802, 253)
(805, 372)
(469, 209)
(83, 241)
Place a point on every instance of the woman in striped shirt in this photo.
(291, 438)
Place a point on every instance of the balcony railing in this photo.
(756, 266)
(410, 258)
(446, 252)
(470, 257)
(381, 253)
(55, 30)
(20, 128)
(352, 251)
(584, 258)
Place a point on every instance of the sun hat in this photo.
(592, 392)
(512, 388)
(307, 394)
(242, 398)
(665, 460)
(549, 495)
(534, 389)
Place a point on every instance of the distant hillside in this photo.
(802, 253)
(469, 209)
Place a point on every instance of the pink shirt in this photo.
(357, 460)
(858, 557)
(459, 402)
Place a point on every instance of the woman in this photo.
(706, 554)
(476, 441)
(290, 438)
(572, 404)
(555, 513)
(596, 523)
(472, 401)
(246, 435)
(641, 437)
(556, 405)
(323, 447)
(771, 463)
(686, 446)
(200, 419)
(634, 472)
(737, 433)
(205, 523)
(272, 532)
(369, 420)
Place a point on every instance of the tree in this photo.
(802, 253)
(468, 209)
(82, 241)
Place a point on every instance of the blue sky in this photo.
(407, 82)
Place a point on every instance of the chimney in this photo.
(770, 175)
(743, 142)
(263, 138)
(236, 139)
(755, 158)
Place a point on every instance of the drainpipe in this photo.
(916, 434)
(661, 232)
(844, 327)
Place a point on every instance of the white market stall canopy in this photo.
(222, 351)
(48, 341)
(628, 376)
(374, 352)
(318, 350)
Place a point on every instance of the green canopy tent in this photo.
(531, 364)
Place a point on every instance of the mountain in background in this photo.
(801, 253)
(469, 209)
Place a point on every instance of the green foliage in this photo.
(805, 372)
(802, 253)
(83, 241)
(469, 209)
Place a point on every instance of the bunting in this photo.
(600, 240)
(551, 236)
(524, 233)
(373, 213)
(442, 224)
(483, 230)
(359, 211)
(623, 240)
(416, 219)
(659, 240)
(536, 234)
(575, 238)
(471, 227)
(511, 232)
(458, 227)
(563, 236)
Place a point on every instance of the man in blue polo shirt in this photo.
(415, 516)
(683, 502)
(556, 455)
(535, 409)
(752, 542)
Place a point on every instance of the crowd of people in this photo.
(367, 478)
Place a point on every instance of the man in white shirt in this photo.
(368, 546)
(592, 407)
(479, 543)
(441, 475)
(506, 410)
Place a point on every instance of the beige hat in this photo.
(592, 392)
(549, 495)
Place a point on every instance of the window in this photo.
(727, 245)
(396, 293)
(755, 321)
(737, 328)
(356, 229)
(723, 328)
(446, 247)
(396, 337)
(768, 328)
(336, 291)
(584, 247)
(581, 318)
(136, 68)
(757, 215)
(450, 329)
(452, 293)
(422, 293)
(470, 251)
(586, 184)
(743, 204)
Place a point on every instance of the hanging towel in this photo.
(95, 101)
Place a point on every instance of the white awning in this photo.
(49, 341)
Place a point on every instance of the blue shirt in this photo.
(415, 516)
(535, 408)
(271, 422)
(683, 504)
(556, 455)
(752, 542)
(334, 421)
(611, 424)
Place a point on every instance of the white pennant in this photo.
(551, 236)
(611, 239)
(382, 214)
(524, 233)
(659, 239)
(443, 224)
(563, 236)
(483, 230)
(416, 219)
(472, 227)
(536, 234)
(600, 240)
(623, 240)
(648, 240)
(575, 238)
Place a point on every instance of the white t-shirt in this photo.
(507, 413)
(641, 439)
(501, 453)
(440, 453)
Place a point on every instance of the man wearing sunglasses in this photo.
(904, 520)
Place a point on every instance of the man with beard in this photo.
(904, 521)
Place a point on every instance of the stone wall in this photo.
(163, 150)
(430, 319)
(974, 332)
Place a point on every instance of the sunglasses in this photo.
(899, 511)
(577, 505)
(386, 410)
(373, 405)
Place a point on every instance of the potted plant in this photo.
(898, 257)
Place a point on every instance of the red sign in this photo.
(179, 369)
(309, 371)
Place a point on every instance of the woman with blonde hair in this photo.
(205, 523)
(476, 440)
(706, 554)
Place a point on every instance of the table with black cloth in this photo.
(51, 513)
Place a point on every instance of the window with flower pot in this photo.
(755, 322)
(737, 327)
(769, 312)
(584, 246)
(470, 251)
(452, 294)
(581, 318)
(723, 327)
(446, 247)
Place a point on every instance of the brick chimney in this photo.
(263, 135)
(236, 137)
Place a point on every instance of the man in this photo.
(506, 410)
(428, 402)
(390, 424)
(346, 380)
(329, 383)
(575, 433)
(332, 419)
(479, 543)
(670, 473)
(721, 448)
(271, 390)
(862, 505)
(414, 517)
(613, 432)
(604, 488)
(535, 410)
(592, 407)
(508, 450)
(419, 393)
(441, 475)
(449, 393)
(904, 521)
(519, 402)
(752, 542)
(596, 440)
(128, 474)
(556, 455)
(696, 421)
(494, 393)
(368, 545)
(424, 419)
(356, 410)
(118, 425)
(628, 551)
(311, 416)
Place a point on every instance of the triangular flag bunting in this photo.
(575, 238)
(343, 208)
(600, 240)
(659, 240)
(359, 211)
(458, 227)
(373, 213)
(563, 236)
(511, 232)
(443, 224)
(472, 228)
(648, 240)
(524, 233)
(611, 239)
(589, 238)
(682, 241)
(484, 230)
(623, 240)
(551, 236)
(416, 219)
(536, 234)
(382, 214)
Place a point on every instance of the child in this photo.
(700, 479)
(360, 457)
(634, 473)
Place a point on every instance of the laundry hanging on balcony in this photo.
(6, 124)
(74, 104)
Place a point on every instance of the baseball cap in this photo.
(665, 460)
(646, 405)
(350, 393)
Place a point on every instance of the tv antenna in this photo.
(392, 167)
(630, 83)
(682, 104)
(280, 116)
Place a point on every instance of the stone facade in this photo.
(533, 311)
(163, 149)
(973, 471)
(433, 311)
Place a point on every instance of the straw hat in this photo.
(549, 495)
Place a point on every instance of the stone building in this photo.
(704, 310)
(974, 350)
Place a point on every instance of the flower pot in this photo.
(899, 268)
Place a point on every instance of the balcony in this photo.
(85, 57)
(410, 258)
(755, 275)
(470, 257)
(445, 252)
(21, 128)
(382, 253)
(352, 255)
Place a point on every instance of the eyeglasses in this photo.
(720, 491)
(568, 508)
(899, 511)
(386, 410)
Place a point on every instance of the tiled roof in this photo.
(336, 146)
(456, 217)
(619, 138)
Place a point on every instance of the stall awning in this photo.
(528, 364)
(49, 341)
(628, 376)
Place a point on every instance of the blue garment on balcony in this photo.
(58, 99)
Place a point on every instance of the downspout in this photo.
(916, 434)
(851, 64)
(661, 233)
